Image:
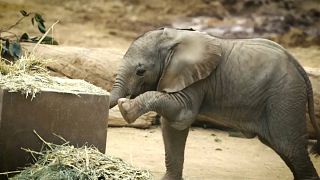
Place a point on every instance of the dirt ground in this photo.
(210, 154)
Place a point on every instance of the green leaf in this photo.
(41, 27)
(24, 37)
(35, 39)
(49, 40)
(38, 18)
(46, 40)
(16, 50)
(24, 13)
(40, 21)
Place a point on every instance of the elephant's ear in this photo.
(194, 55)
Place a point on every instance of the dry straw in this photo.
(29, 76)
(85, 163)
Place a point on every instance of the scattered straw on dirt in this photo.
(29, 76)
(67, 162)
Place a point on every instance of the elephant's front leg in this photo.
(177, 111)
(178, 108)
(174, 143)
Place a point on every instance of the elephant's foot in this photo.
(128, 109)
(168, 177)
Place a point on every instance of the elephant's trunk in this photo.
(119, 90)
(115, 95)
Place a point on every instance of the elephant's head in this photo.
(165, 60)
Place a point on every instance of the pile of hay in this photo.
(29, 76)
(85, 163)
(28, 63)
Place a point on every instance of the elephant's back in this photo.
(250, 72)
(254, 58)
(266, 57)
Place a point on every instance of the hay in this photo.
(34, 83)
(85, 163)
(28, 63)
(29, 76)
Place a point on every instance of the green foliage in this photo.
(10, 47)
(38, 18)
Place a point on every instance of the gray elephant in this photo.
(253, 85)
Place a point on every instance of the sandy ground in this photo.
(210, 154)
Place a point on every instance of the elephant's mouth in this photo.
(136, 93)
(132, 96)
(142, 88)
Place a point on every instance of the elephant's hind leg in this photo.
(285, 133)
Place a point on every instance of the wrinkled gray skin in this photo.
(253, 85)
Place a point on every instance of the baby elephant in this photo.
(253, 85)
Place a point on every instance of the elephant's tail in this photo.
(316, 148)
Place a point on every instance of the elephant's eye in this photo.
(140, 72)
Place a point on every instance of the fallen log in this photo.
(95, 65)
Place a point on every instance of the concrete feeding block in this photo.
(79, 118)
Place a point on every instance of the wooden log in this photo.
(95, 65)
